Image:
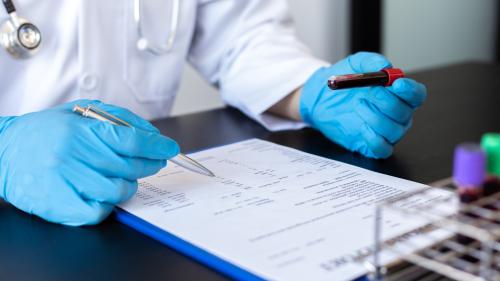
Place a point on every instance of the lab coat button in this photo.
(89, 82)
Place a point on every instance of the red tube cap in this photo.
(393, 74)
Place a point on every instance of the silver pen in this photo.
(181, 159)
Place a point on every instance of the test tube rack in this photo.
(471, 251)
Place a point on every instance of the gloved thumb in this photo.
(364, 62)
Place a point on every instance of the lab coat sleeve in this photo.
(248, 49)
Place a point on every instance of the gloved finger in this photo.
(376, 146)
(410, 91)
(389, 104)
(130, 168)
(79, 212)
(135, 143)
(129, 117)
(363, 62)
(110, 163)
(380, 123)
(96, 187)
(89, 213)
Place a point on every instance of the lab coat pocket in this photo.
(152, 77)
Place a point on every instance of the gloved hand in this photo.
(69, 169)
(368, 120)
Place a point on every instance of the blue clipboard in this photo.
(184, 247)
(189, 249)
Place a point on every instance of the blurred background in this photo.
(413, 34)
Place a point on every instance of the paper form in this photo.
(274, 211)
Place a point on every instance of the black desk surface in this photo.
(464, 103)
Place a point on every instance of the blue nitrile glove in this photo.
(367, 120)
(70, 169)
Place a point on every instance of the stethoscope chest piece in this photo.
(21, 39)
(18, 36)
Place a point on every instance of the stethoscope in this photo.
(22, 39)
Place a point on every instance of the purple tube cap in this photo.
(469, 165)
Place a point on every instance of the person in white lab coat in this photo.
(73, 170)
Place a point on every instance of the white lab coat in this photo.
(247, 48)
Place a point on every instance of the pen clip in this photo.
(111, 118)
(91, 111)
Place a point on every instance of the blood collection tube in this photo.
(385, 77)
(469, 171)
(491, 145)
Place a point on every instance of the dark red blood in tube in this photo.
(384, 77)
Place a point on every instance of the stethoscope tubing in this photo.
(143, 43)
